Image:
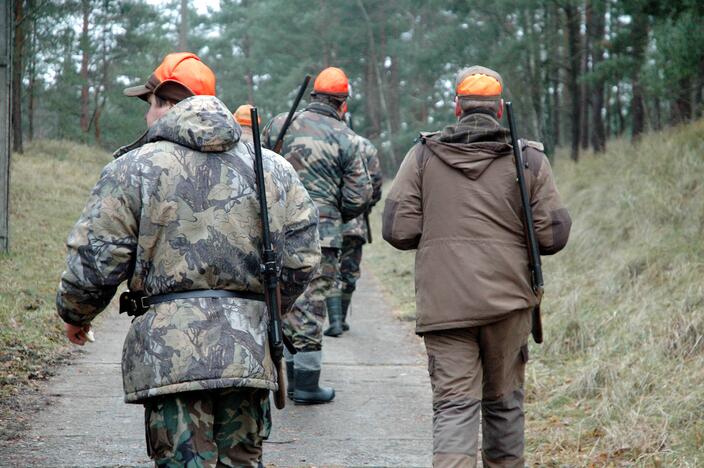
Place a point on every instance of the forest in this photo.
(578, 71)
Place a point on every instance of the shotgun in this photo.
(536, 268)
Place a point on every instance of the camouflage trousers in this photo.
(303, 325)
(208, 428)
(350, 261)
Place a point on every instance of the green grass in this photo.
(49, 186)
(620, 377)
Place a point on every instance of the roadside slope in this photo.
(619, 378)
(49, 185)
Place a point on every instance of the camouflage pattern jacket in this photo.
(327, 156)
(179, 213)
(358, 226)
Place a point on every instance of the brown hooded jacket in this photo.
(456, 200)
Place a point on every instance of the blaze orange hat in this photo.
(243, 115)
(332, 81)
(179, 76)
(479, 82)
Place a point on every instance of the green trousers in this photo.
(209, 428)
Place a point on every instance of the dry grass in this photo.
(620, 378)
(50, 184)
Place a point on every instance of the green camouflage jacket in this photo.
(358, 226)
(327, 156)
(178, 213)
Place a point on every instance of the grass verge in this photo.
(619, 380)
(49, 186)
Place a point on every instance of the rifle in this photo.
(534, 264)
(289, 118)
(270, 274)
(348, 121)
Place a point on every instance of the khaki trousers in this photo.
(479, 369)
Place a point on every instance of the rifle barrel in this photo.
(289, 118)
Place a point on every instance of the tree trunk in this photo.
(682, 105)
(640, 41)
(32, 73)
(85, 59)
(183, 27)
(597, 30)
(573, 24)
(17, 63)
(585, 98)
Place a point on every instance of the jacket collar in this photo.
(323, 109)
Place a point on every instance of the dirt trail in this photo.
(381, 415)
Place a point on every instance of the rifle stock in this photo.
(536, 269)
(269, 271)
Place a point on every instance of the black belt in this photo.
(135, 304)
(199, 293)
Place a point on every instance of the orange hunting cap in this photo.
(479, 82)
(179, 76)
(243, 115)
(332, 81)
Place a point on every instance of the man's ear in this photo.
(458, 108)
(500, 111)
(343, 107)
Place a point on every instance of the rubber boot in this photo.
(307, 377)
(346, 299)
(290, 379)
(334, 305)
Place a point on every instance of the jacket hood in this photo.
(471, 145)
(202, 123)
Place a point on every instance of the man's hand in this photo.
(78, 335)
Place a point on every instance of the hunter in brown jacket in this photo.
(455, 199)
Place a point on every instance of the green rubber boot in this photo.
(334, 315)
(290, 379)
(346, 299)
(307, 375)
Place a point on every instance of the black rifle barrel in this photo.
(269, 269)
(536, 269)
(289, 118)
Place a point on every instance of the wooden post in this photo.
(6, 27)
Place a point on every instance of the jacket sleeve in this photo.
(550, 217)
(402, 223)
(377, 177)
(301, 243)
(356, 184)
(101, 248)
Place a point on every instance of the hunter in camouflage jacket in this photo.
(179, 212)
(327, 156)
(358, 226)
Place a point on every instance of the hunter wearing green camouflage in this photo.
(327, 156)
(356, 232)
(177, 212)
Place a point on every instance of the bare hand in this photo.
(77, 335)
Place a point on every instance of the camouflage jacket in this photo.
(358, 226)
(178, 213)
(327, 156)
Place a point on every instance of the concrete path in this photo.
(381, 415)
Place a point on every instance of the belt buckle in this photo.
(144, 306)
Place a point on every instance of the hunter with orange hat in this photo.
(176, 216)
(455, 199)
(243, 116)
(328, 158)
